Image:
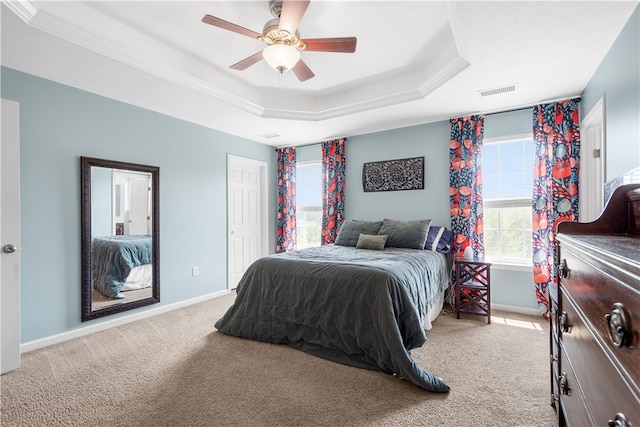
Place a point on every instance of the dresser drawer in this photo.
(553, 346)
(598, 325)
(606, 387)
(554, 331)
(573, 406)
(634, 211)
(595, 291)
(555, 387)
(554, 354)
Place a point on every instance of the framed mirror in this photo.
(120, 236)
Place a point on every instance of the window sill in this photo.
(501, 265)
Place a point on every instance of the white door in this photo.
(592, 144)
(139, 205)
(246, 213)
(10, 237)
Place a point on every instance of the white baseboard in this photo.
(90, 329)
(517, 309)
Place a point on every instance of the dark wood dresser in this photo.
(595, 317)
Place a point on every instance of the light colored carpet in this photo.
(174, 369)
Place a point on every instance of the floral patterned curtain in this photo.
(333, 186)
(465, 183)
(556, 136)
(286, 223)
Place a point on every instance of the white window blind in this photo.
(507, 172)
(308, 204)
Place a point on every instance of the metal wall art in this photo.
(393, 175)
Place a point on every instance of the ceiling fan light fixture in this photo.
(283, 39)
(281, 57)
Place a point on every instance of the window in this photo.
(507, 170)
(308, 204)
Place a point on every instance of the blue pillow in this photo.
(439, 239)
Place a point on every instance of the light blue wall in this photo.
(510, 289)
(309, 153)
(510, 123)
(101, 210)
(430, 141)
(513, 290)
(617, 79)
(58, 124)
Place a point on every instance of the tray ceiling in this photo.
(415, 62)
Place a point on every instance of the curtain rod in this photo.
(526, 107)
(310, 143)
(480, 114)
(506, 111)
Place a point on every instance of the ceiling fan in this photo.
(283, 40)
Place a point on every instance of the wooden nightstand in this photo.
(473, 287)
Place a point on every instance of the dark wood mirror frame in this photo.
(87, 289)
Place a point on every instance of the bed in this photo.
(360, 307)
(121, 263)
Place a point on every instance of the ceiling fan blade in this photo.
(302, 71)
(338, 44)
(291, 14)
(221, 23)
(247, 62)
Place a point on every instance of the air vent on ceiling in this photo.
(270, 135)
(497, 90)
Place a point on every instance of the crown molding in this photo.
(23, 9)
(401, 97)
(108, 37)
(114, 40)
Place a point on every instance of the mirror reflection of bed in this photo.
(121, 237)
(122, 271)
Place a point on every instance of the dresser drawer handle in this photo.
(618, 326)
(563, 270)
(563, 321)
(619, 421)
(563, 384)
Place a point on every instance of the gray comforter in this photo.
(112, 259)
(358, 307)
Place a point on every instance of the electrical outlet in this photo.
(194, 271)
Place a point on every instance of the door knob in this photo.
(9, 249)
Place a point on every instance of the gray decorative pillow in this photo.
(406, 234)
(349, 233)
(370, 241)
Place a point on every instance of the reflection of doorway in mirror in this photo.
(131, 203)
(119, 183)
(118, 200)
(139, 205)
